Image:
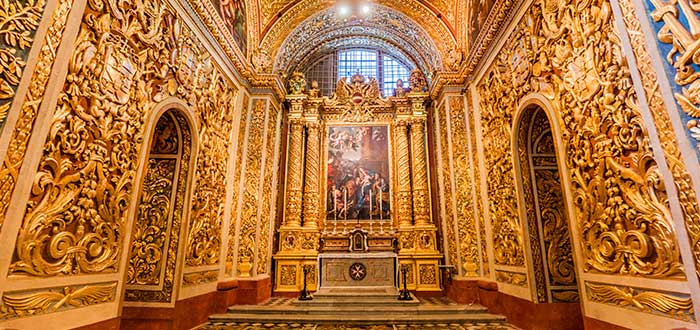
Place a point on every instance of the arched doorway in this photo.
(548, 227)
(156, 235)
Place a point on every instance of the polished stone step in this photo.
(365, 319)
(350, 309)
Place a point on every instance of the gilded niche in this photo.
(119, 70)
(619, 198)
(156, 237)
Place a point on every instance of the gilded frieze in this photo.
(192, 279)
(17, 147)
(117, 73)
(444, 176)
(620, 208)
(669, 143)
(251, 185)
(466, 226)
(44, 301)
(19, 20)
(517, 279)
(678, 306)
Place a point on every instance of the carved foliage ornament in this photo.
(619, 199)
(23, 304)
(119, 70)
(18, 22)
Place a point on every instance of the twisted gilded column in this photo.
(404, 173)
(421, 207)
(294, 174)
(312, 170)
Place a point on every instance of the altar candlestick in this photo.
(345, 205)
(335, 207)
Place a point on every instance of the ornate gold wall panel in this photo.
(19, 21)
(251, 190)
(292, 215)
(44, 301)
(681, 177)
(621, 211)
(268, 208)
(156, 236)
(75, 217)
(240, 152)
(644, 300)
(419, 173)
(445, 176)
(466, 226)
(312, 171)
(479, 216)
(21, 133)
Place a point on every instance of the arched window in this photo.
(327, 70)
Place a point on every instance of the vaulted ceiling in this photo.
(284, 35)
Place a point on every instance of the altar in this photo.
(357, 201)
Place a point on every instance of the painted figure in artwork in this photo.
(233, 12)
(357, 173)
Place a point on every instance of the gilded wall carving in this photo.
(676, 29)
(288, 275)
(669, 143)
(620, 206)
(43, 301)
(644, 300)
(268, 208)
(151, 232)
(17, 147)
(240, 152)
(19, 21)
(156, 236)
(466, 226)
(249, 208)
(479, 216)
(444, 176)
(517, 279)
(197, 278)
(98, 127)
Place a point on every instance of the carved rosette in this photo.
(312, 172)
(421, 204)
(404, 200)
(294, 174)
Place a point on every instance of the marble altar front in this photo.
(357, 270)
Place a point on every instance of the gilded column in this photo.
(294, 174)
(404, 173)
(311, 183)
(421, 207)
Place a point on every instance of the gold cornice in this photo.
(210, 18)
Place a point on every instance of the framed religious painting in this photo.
(358, 173)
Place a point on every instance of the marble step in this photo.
(422, 309)
(368, 318)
